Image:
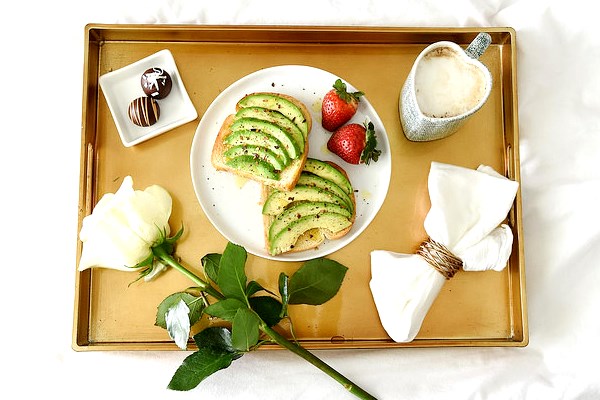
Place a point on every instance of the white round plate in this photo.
(233, 204)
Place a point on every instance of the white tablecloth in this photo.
(559, 109)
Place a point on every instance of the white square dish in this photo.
(122, 86)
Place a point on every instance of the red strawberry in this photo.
(338, 106)
(355, 143)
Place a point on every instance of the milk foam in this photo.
(446, 85)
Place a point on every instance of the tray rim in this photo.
(86, 191)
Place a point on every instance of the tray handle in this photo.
(510, 173)
(89, 165)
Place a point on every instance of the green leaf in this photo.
(210, 263)
(194, 303)
(216, 337)
(255, 287)
(284, 292)
(267, 308)
(244, 330)
(232, 276)
(215, 352)
(198, 366)
(316, 282)
(178, 323)
(225, 309)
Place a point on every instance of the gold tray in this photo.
(473, 309)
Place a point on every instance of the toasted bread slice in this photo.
(311, 238)
(261, 170)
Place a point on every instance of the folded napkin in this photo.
(465, 230)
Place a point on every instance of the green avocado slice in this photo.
(254, 124)
(277, 201)
(329, 172)
(257, 152)
(287, 237)
(274, 117)
(309, 179)
(273, 102)
(303, 209)
(254, 166)
(256, 138)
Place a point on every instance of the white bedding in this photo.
(559, 112)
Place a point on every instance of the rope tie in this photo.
(439, 257)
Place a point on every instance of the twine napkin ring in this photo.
(439, 257)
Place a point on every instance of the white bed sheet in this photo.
(559, 111)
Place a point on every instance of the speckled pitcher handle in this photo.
(478, 46)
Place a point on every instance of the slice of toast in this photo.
(311, 238)
(282, 179)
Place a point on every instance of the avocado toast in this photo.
(305, 200)
(266, 140)
(320, 206)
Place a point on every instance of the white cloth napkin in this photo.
(467, 209)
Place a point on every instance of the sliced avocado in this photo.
(278, 200)
(274, 117)
(309, 179)
(256, 138)
(254, 124)
(301, 210)
(329, 172)
(277, 103)
(287, 237)
(258, 152)
(309, 239)
(254, 166)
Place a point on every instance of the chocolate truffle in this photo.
(143, 111)
(156, 83)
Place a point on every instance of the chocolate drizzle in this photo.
(144, 111)
(156, 83)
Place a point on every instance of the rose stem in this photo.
(204, 286)
(317, 362)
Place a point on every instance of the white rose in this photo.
(124, 226)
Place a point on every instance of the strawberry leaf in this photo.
(342, 91)
(370, 152)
